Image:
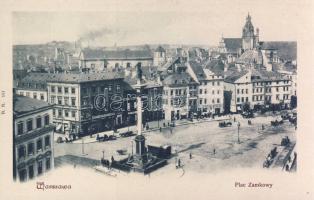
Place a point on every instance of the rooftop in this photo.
(126, 54)
(24, 104)
(233, 44)
(287, 50)
(178, 79)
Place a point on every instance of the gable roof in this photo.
(198, 70)
(234, 75)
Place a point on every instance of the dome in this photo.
(251, 57)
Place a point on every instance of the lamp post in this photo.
(238, 125)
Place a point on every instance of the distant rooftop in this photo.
(126, 54)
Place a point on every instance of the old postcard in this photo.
(156, 100)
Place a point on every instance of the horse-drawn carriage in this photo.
(276, 122)
(225, 124)
(270, 158)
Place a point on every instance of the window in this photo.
(242, 91)
(38, 122)
(201, 101)
(118, 88)
(218, 83)
(218, 100)
(277, 89)
(171, 92)
(39, 167)
(47, 163)
(205, 101)
(73, 101)
(213, 83)
(277, 97)
(29, 125)
(59, 113)
(238, 91)
(52, 99)
(59, 100)
(201, 91)
(66, 113)
(53, 89)
(93, 90)
(59, 89)
(54, 112)
(217, 91)
(73, 90)
(73, 113)
(247, 99)
(247, 91)
(31, 171)
(110, 88)
(20, 128)
(42, 96)
(21, 152)
(27, 94)
(213, 101)
(66, 100)
(22, 93)
(30, 148)
(66, 90)
(34, 95)
(128, 65)
(213, 92)
(238, 99)
(205, 91)
(242, 99)
(47, 141)
(39, 145)
(46, 119)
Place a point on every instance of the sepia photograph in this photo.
(121, 95)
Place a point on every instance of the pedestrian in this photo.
(190, 155)
(214, 151)
(234, 119)
(179, 163)
(168, 124)
(164, 124)
(159, 129)
(263, 127)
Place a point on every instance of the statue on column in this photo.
(139, 71)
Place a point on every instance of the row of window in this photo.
(35, 96)
(22, 154)
(66, 113)
(29, 124)
(205, 101)
(205, 91)
(30, 85)
(30, 169)
(242, 91)
(102, 89)
(65, 89)
(213, 83)
(269, 83)
(65, 100)
(242, 99)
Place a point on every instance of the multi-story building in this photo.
(210, 88)
(257, 88)
(159, 56)
(179, 95)
(33, 152)
(102, 60)
(86, 102)
(34, 85)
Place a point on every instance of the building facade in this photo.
(33, 138)
(85, 103)
(257, 89)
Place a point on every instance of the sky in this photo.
(189, 26)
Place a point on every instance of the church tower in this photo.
(248, 36)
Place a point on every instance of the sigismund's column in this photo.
(139, 139)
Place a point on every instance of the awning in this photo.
(239, 108)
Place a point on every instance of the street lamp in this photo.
(103, 154)
(238, 125)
